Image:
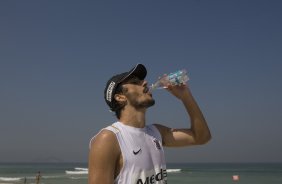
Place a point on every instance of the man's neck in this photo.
(133, 118)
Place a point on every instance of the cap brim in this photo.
(139, 71)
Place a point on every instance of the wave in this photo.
(79, 170)
(9, 179)
(77, 178)
(76, 172)
(173, 170)
(53, 177)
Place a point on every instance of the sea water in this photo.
(194, 173)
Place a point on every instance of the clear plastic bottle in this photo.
(175, 78)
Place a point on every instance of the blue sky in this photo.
(56, 56)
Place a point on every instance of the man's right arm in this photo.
(103, 157)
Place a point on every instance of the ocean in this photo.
(194, 173)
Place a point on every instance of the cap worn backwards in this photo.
(139, 71)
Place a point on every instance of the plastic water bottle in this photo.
(175, 78)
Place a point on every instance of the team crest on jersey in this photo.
(157, 144)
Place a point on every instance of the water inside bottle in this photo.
(175, 78)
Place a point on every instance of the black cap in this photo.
(139, 71)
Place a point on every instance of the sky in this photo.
(56, 57)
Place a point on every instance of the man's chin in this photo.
(144, 104)
(150, 103)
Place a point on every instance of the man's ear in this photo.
(120, 98)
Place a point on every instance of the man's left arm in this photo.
(197, 134)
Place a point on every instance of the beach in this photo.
(195, 173)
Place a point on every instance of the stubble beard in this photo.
(142, 104)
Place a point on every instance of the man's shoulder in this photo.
(104, 137)
(104, 149)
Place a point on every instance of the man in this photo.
(38, 177)
(131, 152)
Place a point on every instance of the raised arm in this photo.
(103, 158)
(198, 133)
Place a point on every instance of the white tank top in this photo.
(142, 153)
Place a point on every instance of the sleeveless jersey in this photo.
(142, 153)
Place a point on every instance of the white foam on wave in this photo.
(76, 172)
(53, 177)
(80, 169)
(9, 179)
(173, 170)
(77, 178)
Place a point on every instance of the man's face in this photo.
(137, 93)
